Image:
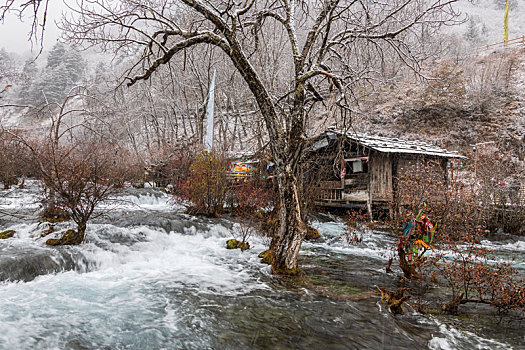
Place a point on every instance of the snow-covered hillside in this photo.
(485, 20)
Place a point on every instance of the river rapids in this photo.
(149, 276)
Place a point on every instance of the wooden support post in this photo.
(370, 188)
(369, 202)
(343, 171)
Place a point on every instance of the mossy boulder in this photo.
(231, 244)
(70, 237)
(234, 244)
(53, 241)
(266, 257)
(311, 233)
(7, 234)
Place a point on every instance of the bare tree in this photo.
(329, 46)
(76, 162)
(36, 9)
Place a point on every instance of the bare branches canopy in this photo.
(36, 10)
(325, 48)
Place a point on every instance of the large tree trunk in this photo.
(81, 231)
(286, 243)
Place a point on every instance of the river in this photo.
(151, 277)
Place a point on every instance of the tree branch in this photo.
(200, 38)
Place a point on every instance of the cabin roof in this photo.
(241, 155)
(394, 145)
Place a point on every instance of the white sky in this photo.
(14, 34)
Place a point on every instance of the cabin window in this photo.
(356, 165)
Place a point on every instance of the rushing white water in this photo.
(143, 201)
(373, 244)
(148, 277)
(451, 338)
(379, 245)
(15, 198)
(132, 298)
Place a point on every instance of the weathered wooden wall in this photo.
(380, 168)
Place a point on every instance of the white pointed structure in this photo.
(208, 141)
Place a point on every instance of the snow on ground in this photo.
(490, 14)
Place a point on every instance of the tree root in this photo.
(409, 269)
(453, 306)
(394, 299)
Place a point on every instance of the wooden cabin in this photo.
(355, 170)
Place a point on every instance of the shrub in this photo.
(207, 184)
(249, 196)
(14, 159)
(461, 212)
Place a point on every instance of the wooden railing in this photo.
(506, 44)
(332, 194)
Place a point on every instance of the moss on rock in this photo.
(70, 237)
(231, 244)
(266, 257)
(285, 272)
(7, 234)
(53, 241)
(311, 233)
(234, 244)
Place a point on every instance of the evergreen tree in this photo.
(473, 33)
(484, 31)
(29, 75)
(63, 71)
(100, 79)
(501, 4)
(51, 85)
(73, 68)
(9, 73)
(6, 65)
(100, 74)
(56, 55)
